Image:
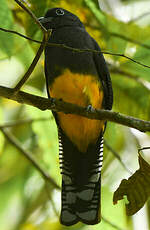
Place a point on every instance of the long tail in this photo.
(81, 182)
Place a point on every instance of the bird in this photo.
(83, 79)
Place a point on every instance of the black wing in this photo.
(104, 75)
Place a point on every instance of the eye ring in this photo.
(60, 12)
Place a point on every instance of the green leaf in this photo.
(6, 22)
(131, 97)
(100, 16)
(23, 50)
(136, 188)
(33, 31)
(47, 141)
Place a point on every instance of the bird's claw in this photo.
(89, 108)
(53, 102)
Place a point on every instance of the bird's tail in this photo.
(81, 204)
(81, 183)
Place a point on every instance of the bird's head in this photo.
(58, 17)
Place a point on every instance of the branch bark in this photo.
(68, 108)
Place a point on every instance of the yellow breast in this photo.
(81, 90)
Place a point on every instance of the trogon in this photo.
(81, 78)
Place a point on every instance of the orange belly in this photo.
(81, 90)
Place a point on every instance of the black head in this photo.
(58, 17)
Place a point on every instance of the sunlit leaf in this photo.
(136, 188)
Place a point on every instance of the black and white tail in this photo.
(81, 181)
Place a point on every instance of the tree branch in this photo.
(129, 40)
(46, 34)
(29, 121)
(139, 17)
(29, 12)
(33, 64)
(21, 122)
(117, 156)
(28, 156)
(20, 35)
(75, 49)
(61, 106)
(117, 70)
(144, 148)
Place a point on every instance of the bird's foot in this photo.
(89, 109)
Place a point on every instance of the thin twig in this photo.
(32, 66)
(129, 40)
(123, 37)
(48, 191)
(129, 75)
(112, 224)
(122, 55)
(28, 156)
(21, 35)
(75, 49)
(144, 148)
(40, 50)
(32, 15)
(68, 108)
(117, 156)
(21, 122)
(139, 17)
(93, 9)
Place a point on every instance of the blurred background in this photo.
(27, 201)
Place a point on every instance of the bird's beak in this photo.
(43, 20)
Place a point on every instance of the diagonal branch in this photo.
(118, 70)
(129, 40)
(32, 66)
(46, 34)
(28, 156)
(29, 12)
(68, 108)
(117, 156)
(139, 17)
(125, 56)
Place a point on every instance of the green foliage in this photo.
(6, 21)
(47, 137)
(26, 198)
(135, 95)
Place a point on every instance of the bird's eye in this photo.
(60, 12)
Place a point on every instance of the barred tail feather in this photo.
(81, 183)
(83, 205)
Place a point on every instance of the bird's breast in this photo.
(82, 90)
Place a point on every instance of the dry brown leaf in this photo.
(136, 188)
